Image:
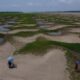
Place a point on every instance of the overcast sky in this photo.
(39, 5)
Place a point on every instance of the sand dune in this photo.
(57, 27)
(51, 66)
(21, 30)
(74, 30)
(68, 38)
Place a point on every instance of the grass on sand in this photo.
(41, 45)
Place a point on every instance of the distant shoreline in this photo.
(41, 12)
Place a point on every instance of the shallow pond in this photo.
(2, 40)
(55, 33)
(3, 28)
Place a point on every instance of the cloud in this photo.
(37, 5)
(30, 4)
(66, 1)
(15, 5)
(33, 4)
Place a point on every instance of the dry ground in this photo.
(75, 30)
(21, 30)
(51, 66)
(6, 50)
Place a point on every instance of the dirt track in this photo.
(51, 66)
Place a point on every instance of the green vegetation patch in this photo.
(25, 34)
(23, 27)
(31, 33)
(1, 35)
(27, 18)
(40, 46)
